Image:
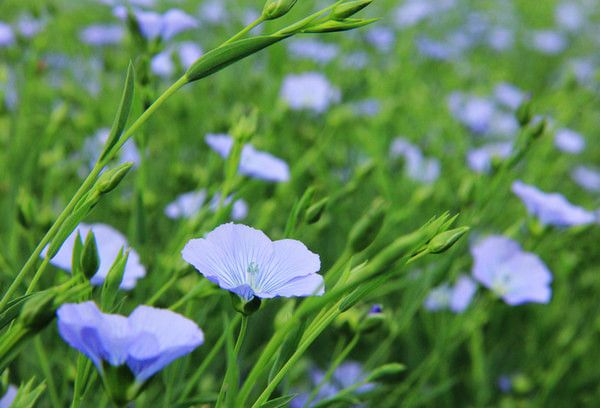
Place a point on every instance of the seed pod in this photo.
(90, 261)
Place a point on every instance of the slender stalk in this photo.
(43, 359)
(245, 30)
(229, 374)
(84, 188)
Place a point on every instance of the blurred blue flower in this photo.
(9, 396)
(189, 52)
(481, 115)
(7, 36)
(455, 298)
(551, 208)
(146, 341)
(587, 177)
(366, 107)
(246, 262)
(500, 38)
(109, 242)
(382, 38)
(314, 50)
(162, 64)
(509, 95)
(29, 26)
(345, 375)
(480, 159)
(569, 16)
(188, 204)
(569, 141)
(213, 11)
(413, 12)
(417, 166)
(102, 34)
(548, 42)
(253, 163)
(93, 146)
(310, 90)
(165, 26)
(516, 276)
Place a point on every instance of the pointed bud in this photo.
(110, 179)
(38, 311)
(367, 228)
(276, 8)
(76, 256)
(113, 279)
(90, 261)
(333, 26)
(524, 113)
(315, 211)
(348, 9)
(386, 372)
(245, 307)
(444, 241)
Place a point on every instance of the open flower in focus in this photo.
(246, 262)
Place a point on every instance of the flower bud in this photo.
(90, 261)
(76, 256)
(348, 9)
(333, 26)
(38, 311)
(276, 8)
(444, 241)
(110, 179)
(367, 228)
(114, 278)
(315, 211)
(245, 307)
(386, 372)
(524, 113)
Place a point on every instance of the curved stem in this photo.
(230, 376)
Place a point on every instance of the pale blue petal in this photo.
(9, 396)
(488, 254)
(462, 293)
(220, 143)
(176, 21)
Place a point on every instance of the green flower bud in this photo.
(90, 261)
(348, 9)
(332, 26)
(386, 372)
(444, 241)
(113, 279)
(38, 311)
(276, 8)
(76, 256)
(245, 307)
(110, 179)
(367, 228)
(315, 211)
(524, 113)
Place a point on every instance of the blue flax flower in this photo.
(146, 341)
(253, 163)
(551, 208)
(455, 298)
(515, 275)
(246, 262)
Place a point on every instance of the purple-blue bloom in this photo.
(166, 26)
(146, 341)
(9, 396)
(548, 42)
(382, 38)
(455, 298)
(102, 34)
(587, 177)
(109, 242)
(516, 276)
(551, 208)
(246, 262)
(253, 163)
(509, 95)
(311, 49)
(480, 159)
(569, 141)
(310, 90)
(7, 36)
(418, 167)
(346, 375)
(188, 204)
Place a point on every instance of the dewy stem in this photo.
(84, 188)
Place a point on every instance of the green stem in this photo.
(43, 359)
(84, 188)
(246, 29)
(227, 385)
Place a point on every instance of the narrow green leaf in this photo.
(122, 112)
(12, 310)
(219, 58)
(279, 402)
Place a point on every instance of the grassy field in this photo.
(432, 165)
